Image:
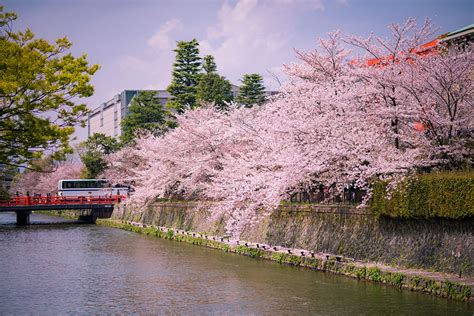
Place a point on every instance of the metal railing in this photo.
(323, 195)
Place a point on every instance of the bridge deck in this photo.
(28, 203)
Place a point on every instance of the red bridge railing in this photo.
(62, 200)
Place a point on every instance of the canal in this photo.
(63, 268)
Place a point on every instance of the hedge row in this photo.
(443, 195)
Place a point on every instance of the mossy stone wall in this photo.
(434, 244)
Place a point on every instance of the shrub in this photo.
(374, 274)
(252, 252)
(443, 194)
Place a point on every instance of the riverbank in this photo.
(438, 245)
(340, 240)
(439, 284)
(94, 269)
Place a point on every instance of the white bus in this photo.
(89, 187)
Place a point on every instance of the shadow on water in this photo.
(59, 267)
(8, 219)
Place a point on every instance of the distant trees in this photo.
(185, 76)
(145, 114)
(191, 88)
(46, 181)
(252, 91)
(213, 88)
(94, 152)
(39, 85)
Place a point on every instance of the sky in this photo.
(133, 40)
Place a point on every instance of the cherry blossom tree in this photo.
(439, 90)
(335, 123)
(381, 63)
(47, 181)
(421, 85)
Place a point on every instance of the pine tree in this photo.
(212, 87)
(185, 76)
(252, 91)
(209, 64)
(145, 113)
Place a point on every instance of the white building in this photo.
(107, 117)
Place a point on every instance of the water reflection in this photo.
(85, 269)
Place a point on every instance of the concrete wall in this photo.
(440, 245)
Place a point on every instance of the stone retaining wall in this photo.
(432, 283)
(435, 244)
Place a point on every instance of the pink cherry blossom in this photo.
(336, 122)
(47, 181)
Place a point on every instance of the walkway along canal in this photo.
(63, 268)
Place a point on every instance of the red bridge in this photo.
(90, 207)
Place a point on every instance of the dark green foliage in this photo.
(278, 257)
(40, 85)
(394, 279)
(286, 258)
(208, 64)
(7, 174)
(361, 272)
(444, 195)
(145, 114)
(152, 231)
(95, 148)
(251, 252)
(213, 88)
(252, 91)
(374, 274)
(185, 76)
(4, 195)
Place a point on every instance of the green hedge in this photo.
(443, 194)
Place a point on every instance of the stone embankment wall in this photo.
(435, 244)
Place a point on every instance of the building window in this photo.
(115, 119)
(102, 118)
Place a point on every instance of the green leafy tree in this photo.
(252, 91)
(185, 76)
(39, 85)
(94, 151)
(212, 87)
(209, 64)
(145, 113)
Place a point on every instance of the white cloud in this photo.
(161, 39)
(152, 87)
(303, 4)
(130, 63)
(248, 37)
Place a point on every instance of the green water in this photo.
(87, 269)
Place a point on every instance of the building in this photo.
(107, 117)
(460, 38)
